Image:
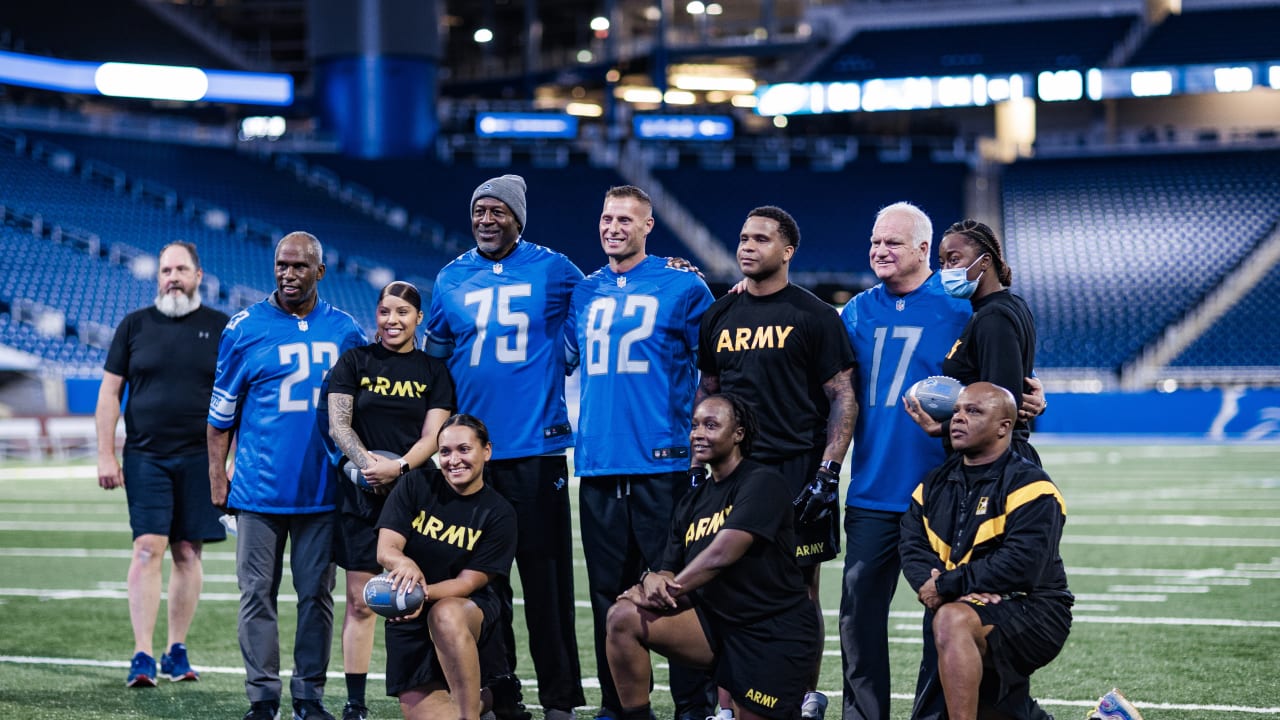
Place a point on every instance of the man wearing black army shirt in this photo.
(786, 352)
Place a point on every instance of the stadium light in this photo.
(638, 94)
(706, 83)
(679, 97)
(696, 8)
(483, 35)
(714, 9)
(582, 109)
(151, 82)
(599, 23)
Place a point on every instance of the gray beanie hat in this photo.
(509, 189)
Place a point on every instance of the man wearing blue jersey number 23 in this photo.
(272, 361)
(633, 331)
(497, 315)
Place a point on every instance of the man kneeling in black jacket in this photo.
(979, 545)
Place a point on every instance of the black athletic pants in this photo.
(626, 525)
(538, 488)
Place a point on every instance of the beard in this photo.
(177, 305)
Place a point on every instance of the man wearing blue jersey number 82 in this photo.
(633, 331)
(497, 315)
(272, 360)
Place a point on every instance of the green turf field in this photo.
(1173, 551)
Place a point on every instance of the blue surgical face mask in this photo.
(956, 282)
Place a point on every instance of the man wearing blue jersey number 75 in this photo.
(497, 315)
(272, 360)
(633, 331)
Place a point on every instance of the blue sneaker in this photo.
(1114, 706)
(174, 664)
(142, 671)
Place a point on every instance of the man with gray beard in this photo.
(166, 355)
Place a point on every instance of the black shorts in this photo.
(766, 665)
(355, 536)
(818, 541)
(1028, 632)
(169, 496)
(411, 656)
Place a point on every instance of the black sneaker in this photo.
(263, 710)
(310, 710)
(354, 711)
(507, 698)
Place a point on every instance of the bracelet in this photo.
(833, 466)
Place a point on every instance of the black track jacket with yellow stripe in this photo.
(997, 534)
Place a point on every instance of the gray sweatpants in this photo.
(259, 561)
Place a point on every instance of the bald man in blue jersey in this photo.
(272, 361)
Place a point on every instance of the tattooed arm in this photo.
(344, 436)
(843, 414)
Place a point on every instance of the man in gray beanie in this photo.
(510, 190)
(497, 316)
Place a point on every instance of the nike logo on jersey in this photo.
(705, 526)
(403, 388)
(434, 528)
(764, 337)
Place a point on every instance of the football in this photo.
(937, 395)
(387, 602)
(352, 473)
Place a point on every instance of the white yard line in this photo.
(592, 683)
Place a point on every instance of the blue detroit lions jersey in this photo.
(271, 366)
(898, 340)
(634, 337)
(500, 324)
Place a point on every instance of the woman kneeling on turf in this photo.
(729, 594)
(451, 535)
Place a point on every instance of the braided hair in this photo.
(744, 416)
(981, 235)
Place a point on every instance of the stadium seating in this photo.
(1110, 251)
(835, 210)
(1207, 36)
(1247, 336)
(147, 222)
(251, 189)
(1005, 47)
(564, 202)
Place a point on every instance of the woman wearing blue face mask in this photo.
(998, 345)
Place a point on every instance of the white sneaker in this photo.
(724, 714)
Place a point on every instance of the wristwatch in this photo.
(404, 466)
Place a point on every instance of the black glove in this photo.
(697, 475)
(818, 499)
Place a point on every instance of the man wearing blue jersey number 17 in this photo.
(497, 315)
(633, 331)
(900, 330)
(272, 360)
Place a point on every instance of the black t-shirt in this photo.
(776, 352)
(447, 533)
(998, 346)
(168, 365)
(766, 580)
(393, 392)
